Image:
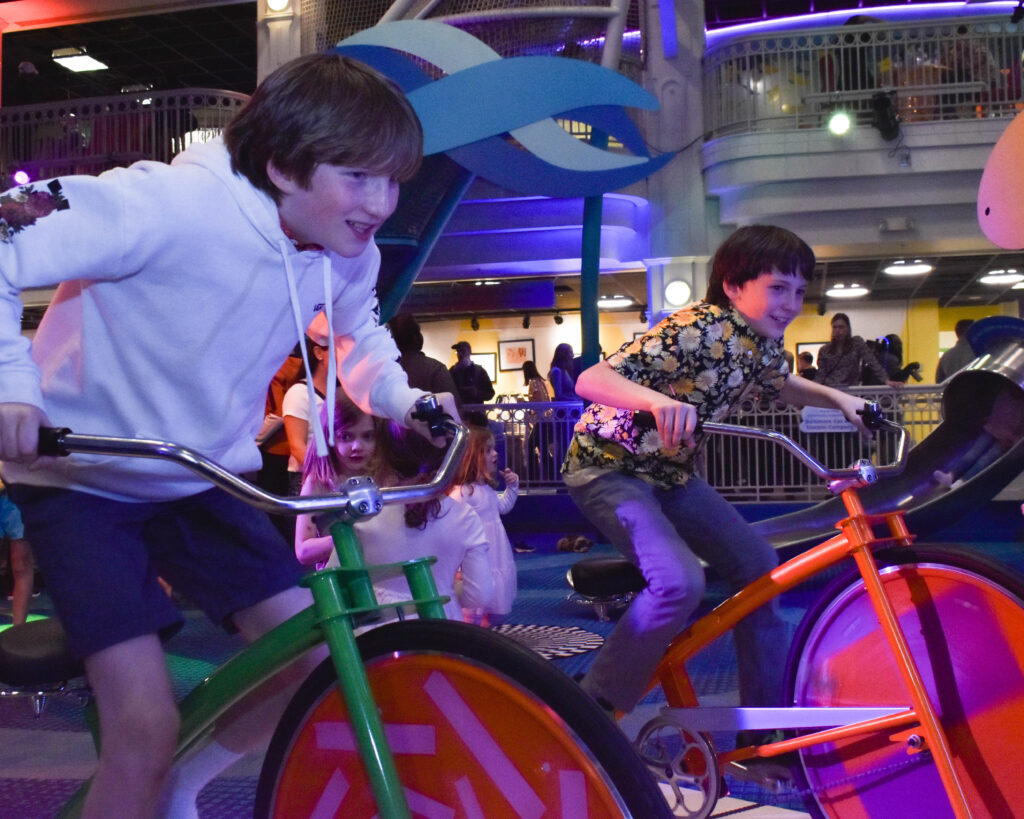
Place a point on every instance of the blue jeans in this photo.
(666, 532)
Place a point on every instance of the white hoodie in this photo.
(172, 316)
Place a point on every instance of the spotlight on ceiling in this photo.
(474, 323)
(883, 115)
(843, 291)
(21, 178)
(901, 267)
(839, 123)
(558, 318)
(75, 59)
(526, 322)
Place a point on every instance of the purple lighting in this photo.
(902, 13)
(21, 178)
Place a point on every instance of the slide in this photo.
(980, 443)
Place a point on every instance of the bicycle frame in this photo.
(339, 597)
(857, 539)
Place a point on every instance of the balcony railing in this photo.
(88, 136)
(535, 437)
(953, 69)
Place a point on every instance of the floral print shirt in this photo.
(704, 355)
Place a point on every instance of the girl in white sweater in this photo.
(475, 488)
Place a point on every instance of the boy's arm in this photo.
(676, 420)
(803, 392)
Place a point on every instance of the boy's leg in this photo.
(22, 576)
(738, 554)
(138, 725)
(627, 512)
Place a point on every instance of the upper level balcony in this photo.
(89, 136)
(927, 100)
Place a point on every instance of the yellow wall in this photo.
(918, 325)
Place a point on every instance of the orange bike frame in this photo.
(856, 539)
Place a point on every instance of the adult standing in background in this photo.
(958, 356)
(805, 365)
(299, 416)
(472, 383)
(561, 375)
(424, 372)
(845, 356)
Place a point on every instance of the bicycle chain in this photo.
(893, 766)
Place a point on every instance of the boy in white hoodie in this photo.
(182, 288)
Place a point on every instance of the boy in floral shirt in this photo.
(630, 466)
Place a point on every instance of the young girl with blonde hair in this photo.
(475, 487)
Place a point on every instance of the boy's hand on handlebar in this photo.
(676, 422)
(446, 401)
(19, 432)
(852, 406)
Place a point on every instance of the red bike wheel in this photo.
(963, 618)
(471, 737)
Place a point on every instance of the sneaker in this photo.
(565, 544)
(523, 548)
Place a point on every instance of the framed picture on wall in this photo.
(512, 354)
(811, 347)
(487, 361)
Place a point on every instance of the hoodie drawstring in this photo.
(300, 329)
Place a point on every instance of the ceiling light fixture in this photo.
(901, 267)
(998, 277)
(842, 291)
(608, 302)
(558, 318)
(474, 323)
(75, 59)
(278, 5)
(526, 322)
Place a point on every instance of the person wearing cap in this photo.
(472, 383)
(424, 372)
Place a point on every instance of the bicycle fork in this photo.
(860, 536)
(335, 604)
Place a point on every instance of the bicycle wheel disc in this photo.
(478, 725)
(964, 622)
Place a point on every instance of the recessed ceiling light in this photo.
(614, 301)
(1018, 286)
(842, 291)
(905, 268)
(1010, 276)
(75, 59)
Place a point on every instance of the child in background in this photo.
(475, 487)
(438, 527)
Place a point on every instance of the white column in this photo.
(278, 35)
(683, 221)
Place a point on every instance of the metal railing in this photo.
(88, 136)
(534, 438)
(949, 69)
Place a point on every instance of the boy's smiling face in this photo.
(341, 209)
(770, 302)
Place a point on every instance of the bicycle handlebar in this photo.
(873, 420)
(360, 502)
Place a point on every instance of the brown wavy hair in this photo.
(324, 109)
(753, 250)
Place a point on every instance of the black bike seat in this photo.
(605, 577)
(37, 654)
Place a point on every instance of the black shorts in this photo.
(100, 559)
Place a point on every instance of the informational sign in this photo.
(819, 419)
